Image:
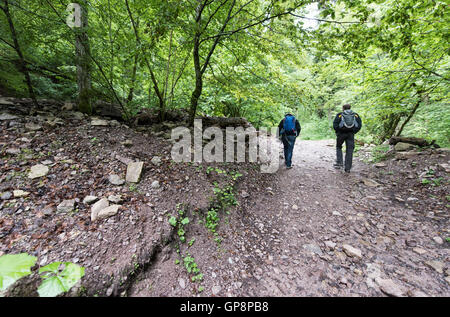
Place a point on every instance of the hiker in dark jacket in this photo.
(288, 130)
(346, 124)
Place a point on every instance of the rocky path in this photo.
(317, 231)
(308, 231)
(336, 236)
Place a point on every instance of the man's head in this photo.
(346, 107)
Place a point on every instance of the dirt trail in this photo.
(316, 231)
(308, 231)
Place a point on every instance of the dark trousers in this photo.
(288, 144)
(349, 139)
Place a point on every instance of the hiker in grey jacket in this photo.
(346, 124)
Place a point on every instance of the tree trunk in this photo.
(411, 140)
(23, 65)
(82, 50)
(198, 85)
(133, 78)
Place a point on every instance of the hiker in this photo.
(346, 124)
(288, 130)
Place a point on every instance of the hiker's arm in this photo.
(280, 126)
(358, 119)
(298, 127)
(336, 123)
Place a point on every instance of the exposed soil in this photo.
(287, 236)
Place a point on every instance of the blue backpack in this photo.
(289, 124)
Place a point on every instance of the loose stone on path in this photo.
(38, 170)
(66, 206)
(116, 180)
(134, 170)
(351, 251)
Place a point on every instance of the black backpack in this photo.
(348, 121)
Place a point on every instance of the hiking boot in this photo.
(338, 166)
(347, 171)
(289, 167)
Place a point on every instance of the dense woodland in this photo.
(253, 58)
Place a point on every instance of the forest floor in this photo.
(382, 230)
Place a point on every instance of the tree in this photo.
(83, 61)
(22, 63)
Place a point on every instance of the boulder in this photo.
(401, 146)
(99, 122)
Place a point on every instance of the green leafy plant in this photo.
(179, 223)
(57, 277)
(14, 267)
(192, 268)
(57, 280)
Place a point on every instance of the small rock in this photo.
(38, 170)
(20, 193)
(99, 122)
(89, 199)
(127, 143)
(97, 207)
(295, 207)
(381, 164)
(438, 240)
(48, 210)
(437, 265)
(13, 151)
(6, 195)
(388, 287)
(216, 289)
(108, 211)
(7, 116)
(445, 167)
(313, 248)
(336, 213)
(155, 184)
(331, 245)
(244, 194)
(411, 243)
(116, 180)
(33, 126)
(370, 182)
(419, 251)
(401, 146)
(134, 170)
(156, 160)
(66, 206)
(115, 198)
(351, 251)
(182, 283)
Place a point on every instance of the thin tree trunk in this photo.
(23, 65)
(133, 78)
(159, 94)
(411, 114)
(82, 50)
